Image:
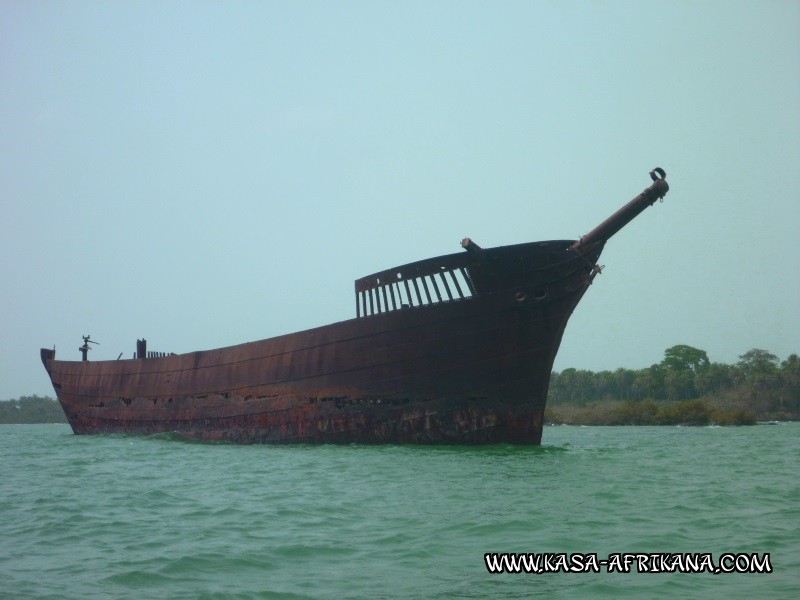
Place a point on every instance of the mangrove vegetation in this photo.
(31, 409)
(684, 388)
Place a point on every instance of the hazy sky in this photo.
(207, 173)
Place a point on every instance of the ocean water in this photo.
(157, 517)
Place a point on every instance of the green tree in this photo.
(645, 384)
(603, 385)
(682, 363)
(623, 383)
(757, 362)
(685, 358)
(573, 386)
(679, 385)
(715, 379)
(790, 376)
(759, 370)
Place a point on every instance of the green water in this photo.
(155, 517)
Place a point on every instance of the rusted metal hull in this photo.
(469, 371)
(424, 362)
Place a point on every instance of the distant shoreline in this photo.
(31, 410)
(698, 412)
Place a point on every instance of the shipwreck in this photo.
(456, 349)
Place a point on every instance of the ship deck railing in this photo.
(431, 281)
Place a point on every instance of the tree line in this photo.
(758, 382)
(31, 409)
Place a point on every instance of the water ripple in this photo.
(132, 517)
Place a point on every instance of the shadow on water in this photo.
(438, 449)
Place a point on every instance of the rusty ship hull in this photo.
(456, 349)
